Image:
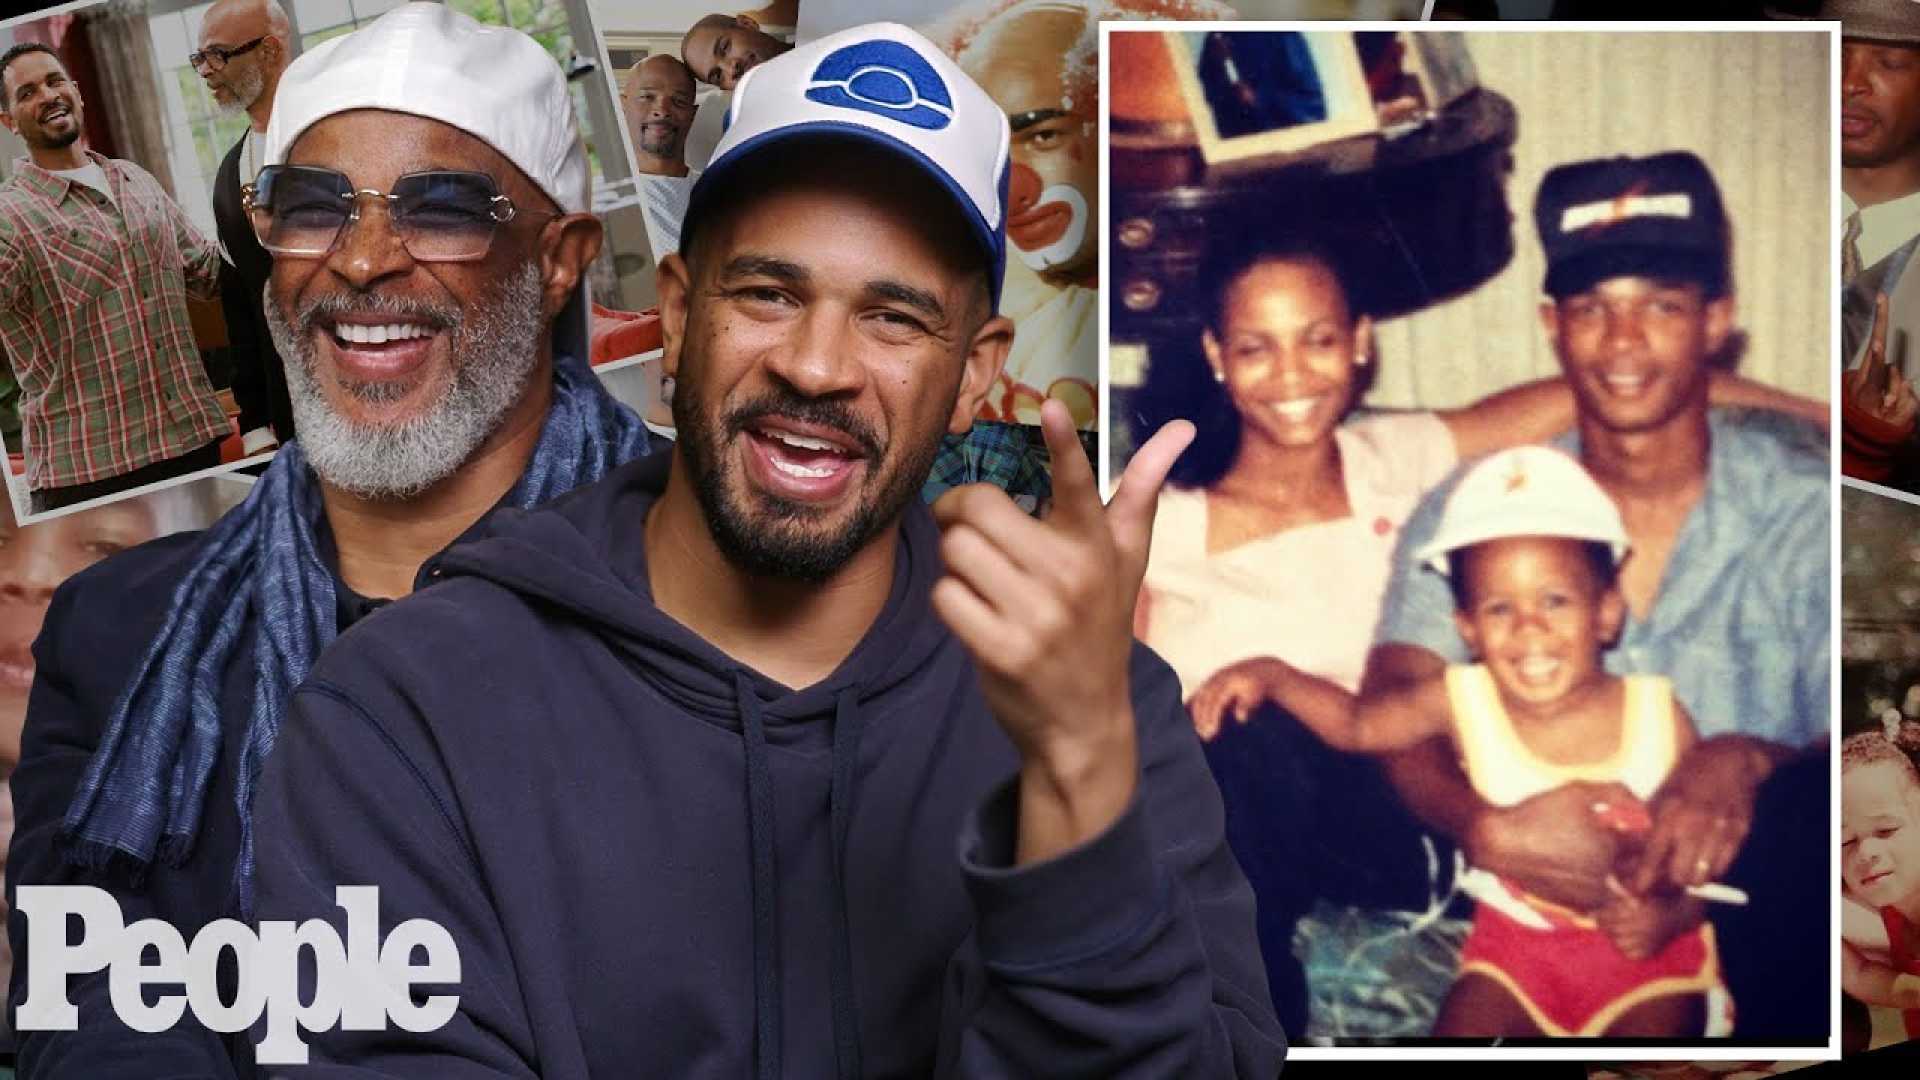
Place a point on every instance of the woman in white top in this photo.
(1274, 540)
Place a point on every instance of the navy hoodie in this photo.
(99, 625)
(656, 862)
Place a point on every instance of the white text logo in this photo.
(359, 985)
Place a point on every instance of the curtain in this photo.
(130, 83)
(1755, 106)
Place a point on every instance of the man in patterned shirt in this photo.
(96, 263)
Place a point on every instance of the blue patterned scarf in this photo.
(146, 788)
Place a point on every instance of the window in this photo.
(543, 20)
(198, 135)
(214, 132)
(320, 20)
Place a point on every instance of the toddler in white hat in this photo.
(1531, 546)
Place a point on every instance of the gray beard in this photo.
(494, 346)
(246, 90)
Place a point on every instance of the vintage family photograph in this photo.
(1498, 576)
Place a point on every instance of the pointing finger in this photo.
(1877, 345)
(1130, 514)
(1076, 493)
(1873, 368)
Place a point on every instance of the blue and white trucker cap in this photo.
(886, 85)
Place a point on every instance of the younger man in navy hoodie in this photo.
(683, 762)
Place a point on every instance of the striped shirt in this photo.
(93, 319)
(665, 198)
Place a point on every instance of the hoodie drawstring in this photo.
(847, 727)
(760, 835)
(847, 723)
(767, 1007)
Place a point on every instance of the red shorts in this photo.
(1902, 958)
(1571, 980)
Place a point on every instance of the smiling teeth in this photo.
(1538, 668)
(378, 335)
(802, 442)
(1626, 382)
(1296, 410)
(803, 471)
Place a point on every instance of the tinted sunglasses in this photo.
(440, 215)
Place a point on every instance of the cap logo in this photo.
(885, 78)
(1517, 479)
(1611, 211)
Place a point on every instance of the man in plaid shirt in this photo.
(95, 266)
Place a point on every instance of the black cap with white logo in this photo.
(1657, 216)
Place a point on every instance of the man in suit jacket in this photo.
(1879, 410)
(243, 49)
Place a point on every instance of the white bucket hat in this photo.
(1525, 491)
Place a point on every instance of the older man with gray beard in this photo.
(423, 194)
(244, 46)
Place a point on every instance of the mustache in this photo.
(824, 412)
(334, 305)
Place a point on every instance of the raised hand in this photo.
(1046, 610)
(1875, 387)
